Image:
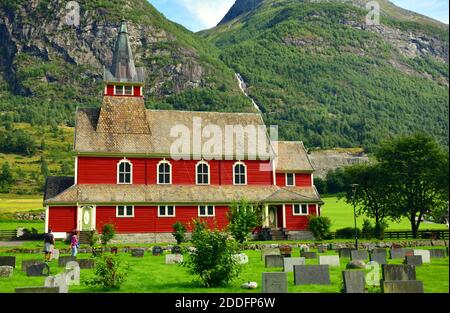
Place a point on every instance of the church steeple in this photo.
(123, 78)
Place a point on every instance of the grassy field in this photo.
(175, 278)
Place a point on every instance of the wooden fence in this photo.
(407, 234)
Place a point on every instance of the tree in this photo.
(179, 232)
(243, 217)
(418, 176)
(6, 177)
(320, 227)
(44, 166)
(108, 233)
(336, 181)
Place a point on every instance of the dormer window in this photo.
(202, 173)
(239, 173)
(123, 90)
(290, 179)
(164, 173)
(124, 172)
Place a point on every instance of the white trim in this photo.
(196, 172)
(94, 217)
(142, 93)
(47, 218)
(312, 179)
(206, 210)
(106, 89)
(125, 160)
(170, 172)
(286, 179)
(165, 206)
(114, 92)
(245, 176)
(274, 172)
(125, 211)
(284, 215)
(76, 170)
(300, 214)
(79, 217)
(317, 209)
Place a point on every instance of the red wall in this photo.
(146, 219)
(103, 170)
(298, 222)
(301, 179)
(62, 219)
(110, 91)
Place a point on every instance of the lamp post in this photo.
(354, 187)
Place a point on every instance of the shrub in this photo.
(243, 217)
(347, 233)
(368, 231)
(212, 259)
(109, 272)
(108, 233)
(179, 232)
(320, 227)
(92, 237)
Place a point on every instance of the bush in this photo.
(347, 233)
(109, 273)
(320, 227)
(243, 218)
(321, 185)
(368, 231)
(179, 232)
(212, 260)
(92, 237)
(108, 233)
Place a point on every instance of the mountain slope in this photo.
(47, 67)
(319, 72)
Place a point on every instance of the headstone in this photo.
(59, 281)
(304, 248)
(274, 261)
(55, 254)
(38, 270)
(72, 272)
(356, 264)
(157, 251)
(415, 260)
(28, 263)
(8, 261)
(378, 250)
(345, 252)
(86, 263)
(288, 263)
(398, 272)
(174, 258)
(311, 275)
(274, 283)
(400, 253)
(6, 271)
(137, 253)
(425, 254)
(37, 290)
(322, 248)
(331, 260)
(359, 255)
(63, 260)
(354, 281)
(176, 250)
(405, 286)
(285, 250)
(379, 257)
(308, 255)
(265, 252)
(240, 258)
(437, 253)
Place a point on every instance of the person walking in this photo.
(49, 242)
(74, 243)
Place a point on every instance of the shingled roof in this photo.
(292, 157)
(54, 185)
(183, 194)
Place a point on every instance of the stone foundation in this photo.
(143, 238)
(300, 235)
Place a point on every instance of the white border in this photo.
(196, 172)
(47, 218)
(80, 217)
(207, 215)
(76, 170)
(301, 214)
(284, 215)
(170, 172)
(286, 180)
(125, 160)
(166, 205)
(125, 211)
(245, 176)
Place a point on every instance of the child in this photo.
(74, 244)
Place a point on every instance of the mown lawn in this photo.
(151, 275)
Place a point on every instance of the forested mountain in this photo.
(316, 69)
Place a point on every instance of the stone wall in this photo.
(300, 235)
(143, 238)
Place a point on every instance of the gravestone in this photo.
(379, 257)
(274, 283)
(240, 258)
(72, 272)
(288, 263)
(265, 252)
(415, 260)
(398, 272)
(174, 258)
(356, 264)
(354, 281)
(378, 250)
(176, 250)
(37, 290)
(322, 248)
(59, 281)
(38, 270)
(27, 263)
(359, 255)
(304, 248)
(157, 251)
(6, 271)
(405, 286)
(331, 260)
(286, 251)
(425, 254)
(400, 253)
(437, 253)
(86, 263)
(137, 253)
(63, 260)
(311, 275)
(345, 252)
(55, 254)
(308, 255)
(8, 261)
(274, 261)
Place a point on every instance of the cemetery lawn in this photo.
(151, 275)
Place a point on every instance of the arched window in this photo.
(164, 173)
(202, 173)
(124, 172)
(240, 173)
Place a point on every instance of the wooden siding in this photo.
(298, 222)
(62, 219)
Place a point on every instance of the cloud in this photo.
(207, 12)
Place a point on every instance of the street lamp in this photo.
(354, 187)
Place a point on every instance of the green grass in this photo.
(176, 279)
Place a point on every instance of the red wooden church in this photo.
(127, 173)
